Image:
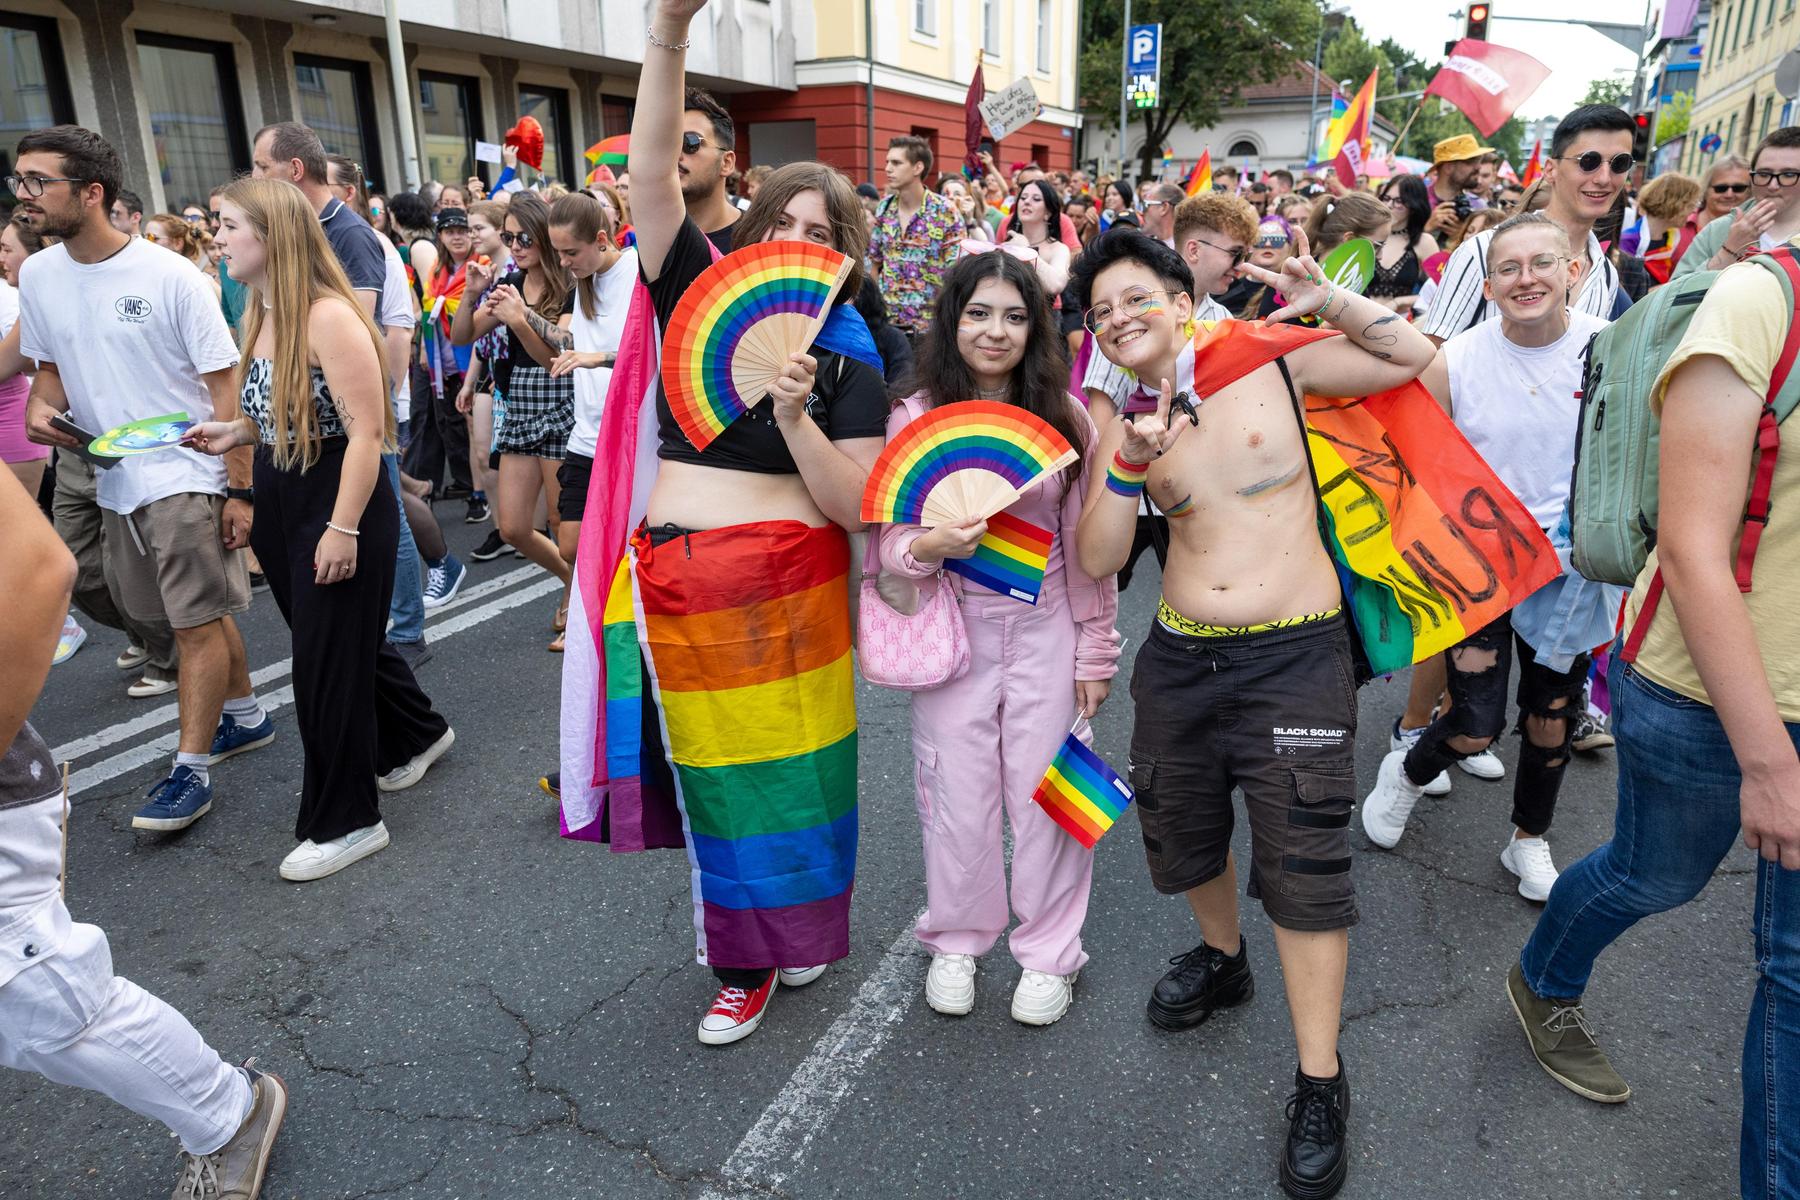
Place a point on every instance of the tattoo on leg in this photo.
(1275, 481)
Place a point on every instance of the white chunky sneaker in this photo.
(800, 976)
(1042, 999)
(1385, 810)
(1529, 859)
(315, 860)
(950, 984)
(1406, 739)
(1486, 765)
(413, 770)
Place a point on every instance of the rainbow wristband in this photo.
(1126, 478)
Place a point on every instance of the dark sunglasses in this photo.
(1590, 162)
(691, 143)
(1271, 241)
(215, 215)
(1722, 188)
(521, 240)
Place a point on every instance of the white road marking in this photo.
(263, 676)
(148, 752)
(773, 1148)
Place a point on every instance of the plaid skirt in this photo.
(535, 414)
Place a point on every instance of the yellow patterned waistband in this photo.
(1174, 622)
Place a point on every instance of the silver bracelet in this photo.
(662, 45)
(342, 530)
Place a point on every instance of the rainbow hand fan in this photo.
(962, 462)
(613, 151)
(733, 329)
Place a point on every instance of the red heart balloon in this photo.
(527, 137)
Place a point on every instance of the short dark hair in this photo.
(1604, 118)
(293, 140)
(701, 101)
(1282, 173)
(134, 203)
(1118, 245)
(86, 156)
(1785, 138)
(917, 149)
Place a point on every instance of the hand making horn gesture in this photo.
(1152, 434)
(1301, 282)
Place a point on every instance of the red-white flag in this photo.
(1487, 82)
(972, 122)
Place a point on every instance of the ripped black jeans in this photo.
(1478, 710)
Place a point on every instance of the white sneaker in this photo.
(950, 984)
(1529, 859)
(1042, 999)
(147, 687)
(1406, 739)
(72, 639)
(315, 860)
(1385, 810)
(401, 778)
(1486, 765)
(800, 976)
(133, 656)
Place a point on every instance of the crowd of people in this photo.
(349, 361)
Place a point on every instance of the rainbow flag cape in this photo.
(1429, 545)
(1009, 559)
(1081, 793)
(1200, 178)
(1534, 166)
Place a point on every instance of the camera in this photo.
(1465, 204)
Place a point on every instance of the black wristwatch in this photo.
(247, 495)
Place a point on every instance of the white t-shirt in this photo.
(612, 298)
(1518, 407)
(9, 307)
(131, 337)
(1458, 302)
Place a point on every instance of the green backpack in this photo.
(1613, 497)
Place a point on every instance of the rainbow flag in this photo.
(1533, 166)
(1353, 147)
(1429, 545)
(1081, 793)
(1168, 160)
(610, 152)
(1009, 559)
(1200, 178)
(1327, 149)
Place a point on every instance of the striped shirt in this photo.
(1458, 303)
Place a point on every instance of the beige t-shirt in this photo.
(1744, 321)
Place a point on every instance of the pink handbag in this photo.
(909, 652)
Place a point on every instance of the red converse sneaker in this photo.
(736, 1013)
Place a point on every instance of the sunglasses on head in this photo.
(521, 240)
(691, 143)
(1590, 162)
(1722, 188)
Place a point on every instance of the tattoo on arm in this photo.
(1370, 339)
(554, 335)
(1274, 481)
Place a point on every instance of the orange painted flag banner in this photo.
(1200, 178)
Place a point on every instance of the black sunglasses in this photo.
(521, 240)
(691, 143)
(1722, 188)
(1590, 162)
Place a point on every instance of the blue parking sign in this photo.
(1144, 64)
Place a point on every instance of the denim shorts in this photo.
(1271, 712)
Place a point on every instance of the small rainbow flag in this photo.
(610, 152)
(1081, 793)
(1200, 178)
(1534, 166)
(1009, 559)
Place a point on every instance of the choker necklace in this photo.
(996, 394)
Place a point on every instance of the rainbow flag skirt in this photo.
(745, 633)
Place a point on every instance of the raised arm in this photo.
(656, 205)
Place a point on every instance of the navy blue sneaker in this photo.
(233, 738)
(175, 803)
(443, 579)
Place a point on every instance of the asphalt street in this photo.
(485, 1010)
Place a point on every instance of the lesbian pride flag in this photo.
(1081, 793)
(1009, 559)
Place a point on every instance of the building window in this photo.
(338, 102)
(1243, 149)
(551, 108)
(1043, 35)
(990, 27)
(34, 87)
(615, 115)
(452, 122)
(925, 17)
(1731, 142)
(1768, 115)
(1755, 12)
(196, 115)
(1737, 28)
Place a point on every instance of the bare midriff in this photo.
(697, 497)
(1248, 551)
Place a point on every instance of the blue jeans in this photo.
(1677, 819)
(406, 610)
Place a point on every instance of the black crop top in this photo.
(849, 399)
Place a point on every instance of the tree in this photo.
(1672, 117)
(1349, 59)
(1615, 91)
(1212, 50)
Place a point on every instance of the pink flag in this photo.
(1487, 82)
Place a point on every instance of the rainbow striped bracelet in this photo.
(1127, 478)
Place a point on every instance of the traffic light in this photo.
(1478, 22)
(1643, 124)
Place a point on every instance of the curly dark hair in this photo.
(1040, 383)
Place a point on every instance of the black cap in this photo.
(452, 218)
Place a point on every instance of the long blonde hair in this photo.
(299, 269)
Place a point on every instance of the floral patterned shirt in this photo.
(909, 263)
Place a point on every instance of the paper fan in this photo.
(143, 436)
(734, 328)
(960, 462)
(614, 151)
(527, 137)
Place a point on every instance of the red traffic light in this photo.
(1643, 120)
(1477, 26)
